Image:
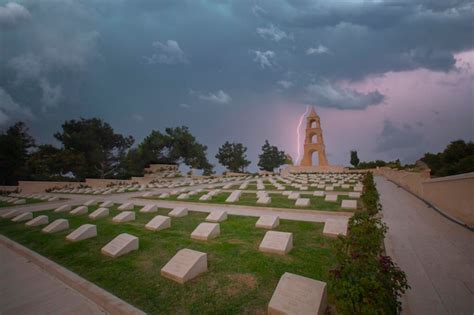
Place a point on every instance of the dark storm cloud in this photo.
(395, 137)
(137, 61)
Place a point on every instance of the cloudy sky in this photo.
(391, 79)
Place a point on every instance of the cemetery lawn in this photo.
(28, 201)
(240, 279)
(278, 201)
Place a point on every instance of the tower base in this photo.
(293, 169)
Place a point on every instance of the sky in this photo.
(390, 79)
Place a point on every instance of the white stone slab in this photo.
(126, 206)
(268, 222)
(264, 200)
(302, 202)
(90, 203)
(349, 204)
(318, 193)
(124, 216)
(64, 208)
(234, 196)
(10, 214)
(107, 204)
(276, 243)
(23, 217)
(158, 223)
(295, 294)
(39, 220)
(354, 194)
(56, 226)
(19, 202)
(334, 227)
(185, 265)
(217, 216)
(206, 231)
(331, 198)
(79, 211)
(358, 188)
(205, 197)
(121, 245)
(178, 212)
(329, 188)
(149, 209)
(99, 213)
(293, 195)
(83, 232)
(164, 195)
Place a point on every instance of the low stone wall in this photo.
(103, 183)
(454, 195)
(32, 187)
(8, 188)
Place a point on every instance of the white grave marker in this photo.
(121, 245)
(185, 265)
(276, 243)
(295, 294)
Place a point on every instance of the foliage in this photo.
(379, 163)
(457, 158)
(288, 159)
(175, 146)
(232, 156)
(354, 158)
(92, 148)
(365, 280)
(47, 163)
(271, 157)
(15, 144)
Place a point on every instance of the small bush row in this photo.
(366, 281)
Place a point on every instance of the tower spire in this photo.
(314, 141)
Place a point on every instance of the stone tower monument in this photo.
(314, 141)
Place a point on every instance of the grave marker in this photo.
(121, 245)
(185, 265)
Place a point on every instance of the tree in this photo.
(93, 148)
(232, 156)
(354, 158)
(46, 163)
(15, 144)
(457, 158)
(174, 146)
(271, 157)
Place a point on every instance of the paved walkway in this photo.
(26, 289)
(436, 254)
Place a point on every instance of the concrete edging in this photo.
(107, 301)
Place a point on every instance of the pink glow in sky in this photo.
(428, 108)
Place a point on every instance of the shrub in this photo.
(365, 280)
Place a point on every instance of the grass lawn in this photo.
(28, 201)
(278, 201)
(240, 278)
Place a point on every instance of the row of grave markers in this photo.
(187, 264)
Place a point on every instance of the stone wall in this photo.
(454, 195)
(32, 187)
(8, 188)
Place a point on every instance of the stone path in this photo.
(27, 289)
(436, 254)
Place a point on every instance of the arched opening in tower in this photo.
(314, 139)
(315, 158)
(314, 124)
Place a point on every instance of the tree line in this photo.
(90, 148)
(456, 158)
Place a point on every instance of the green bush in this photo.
(365, 280)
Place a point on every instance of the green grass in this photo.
(240, 278)
(278, 201)
(28, 201)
